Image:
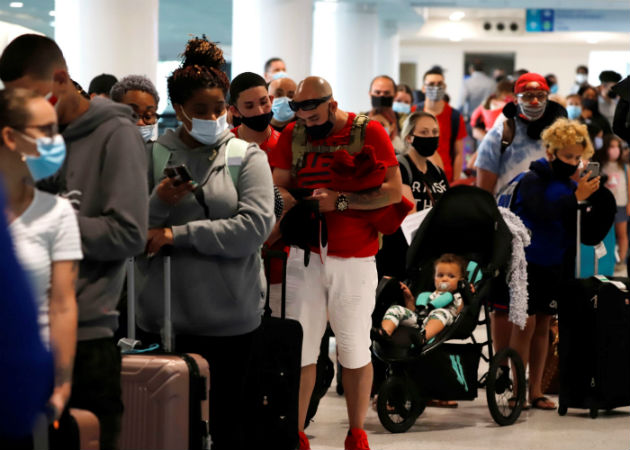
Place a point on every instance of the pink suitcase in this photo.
(165, 395)
(89, 429)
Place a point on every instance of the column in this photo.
(345, 41)
(108, 36)
(388, 49)
(262, 29)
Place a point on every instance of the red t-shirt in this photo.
(266, 146)
(444, 145)
(347, 236)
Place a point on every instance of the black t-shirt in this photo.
(391, 258)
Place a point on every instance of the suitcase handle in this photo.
(269, 255)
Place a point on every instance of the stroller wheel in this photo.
(398, 404)
(505, 400)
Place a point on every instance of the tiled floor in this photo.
(470, 426)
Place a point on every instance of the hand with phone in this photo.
(588, 182)
(177, 184)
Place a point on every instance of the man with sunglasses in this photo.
(338, 285)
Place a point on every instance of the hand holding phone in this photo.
(179, 174)
(592, 167)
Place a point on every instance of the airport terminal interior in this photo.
(570, 43)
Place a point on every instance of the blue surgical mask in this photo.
(281, 110)
(599, 142)
(52, 153)
(278, 75)
(207, 132)
(574, 111)
(147, 132)
(553, 89)
(401, 108)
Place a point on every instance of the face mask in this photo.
(590, 104)
(598, 142)
(435, 93)
(258, 123)
(206, 132)
(51, 98)
(611, 94)
(574, 111)
(554, 89)
(562, 169)
(52, 153)
(281, 110)
(317, 132)
(146, 131)
(425, 146)
(581, 78)
(382, 102)
(401, 108)
(613, 153)
(278, 75)
(533, 112)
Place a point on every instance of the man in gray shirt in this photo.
(475, 90)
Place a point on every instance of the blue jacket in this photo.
(547, 206)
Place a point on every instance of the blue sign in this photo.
(540, 20)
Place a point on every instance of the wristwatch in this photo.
(341, 204)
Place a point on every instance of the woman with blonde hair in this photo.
(546, 200)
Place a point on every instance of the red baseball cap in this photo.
(530, 82)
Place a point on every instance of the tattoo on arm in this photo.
(369, 199)
(63, 375)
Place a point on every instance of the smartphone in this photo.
(180, 174)
(592, 167)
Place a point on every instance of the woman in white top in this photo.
(44, 228)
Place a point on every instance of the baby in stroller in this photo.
(430, 312)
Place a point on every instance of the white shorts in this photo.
(342, 292)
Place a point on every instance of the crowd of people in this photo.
(87, 187)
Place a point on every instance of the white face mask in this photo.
(581, 78)
(204, 131)
(146, 131)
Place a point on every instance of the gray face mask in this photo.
(435, 93)
(533, 112)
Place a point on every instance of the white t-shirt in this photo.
(47, 231)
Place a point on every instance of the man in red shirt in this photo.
(450, 152)
(338, 286)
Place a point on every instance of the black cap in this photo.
(608, 76)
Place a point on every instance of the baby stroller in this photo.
(467, 222)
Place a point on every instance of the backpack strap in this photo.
(505, 197)
(507, 136)
(357, 133)
(234, 153)
(455, 115)
(160, 156)
(404, 163)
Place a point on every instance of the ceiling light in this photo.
(455, 38)
(592, 41)
(457, 16)
(16, 4)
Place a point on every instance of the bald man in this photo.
(282, 90)
(337, 285)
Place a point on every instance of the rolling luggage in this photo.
(165, 395)
(276, 390)
(594, 343)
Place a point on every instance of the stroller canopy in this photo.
(465, 221)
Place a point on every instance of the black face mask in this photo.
(236, 121)
(258, 123)
(562, 169)
(382, 102)
(425, 146)
(611, 94)
(316, 132)
(590, 104)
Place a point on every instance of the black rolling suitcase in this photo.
(594, 343)
(276, 388)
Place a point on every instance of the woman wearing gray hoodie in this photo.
(216, 226)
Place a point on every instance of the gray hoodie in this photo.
(103, 176)
(215, 280)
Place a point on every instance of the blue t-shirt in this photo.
(517, 156)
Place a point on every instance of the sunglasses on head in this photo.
(308, 105)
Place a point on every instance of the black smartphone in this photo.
(592, 167)
(180, 174)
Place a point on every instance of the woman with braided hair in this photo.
(215, 223)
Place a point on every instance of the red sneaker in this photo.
(357, 440)
(304, 443)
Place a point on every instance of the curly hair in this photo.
(201, 69)
(564, 132)
(133, 83)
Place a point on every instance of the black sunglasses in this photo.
(308, 105)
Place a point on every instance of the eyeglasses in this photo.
(149, 118)
(308, 105)
(50, 130)
(530, 96)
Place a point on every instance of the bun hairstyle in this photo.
(202, 61)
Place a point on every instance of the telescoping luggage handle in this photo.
(582, 206)
(130, 342)
(269, 255)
